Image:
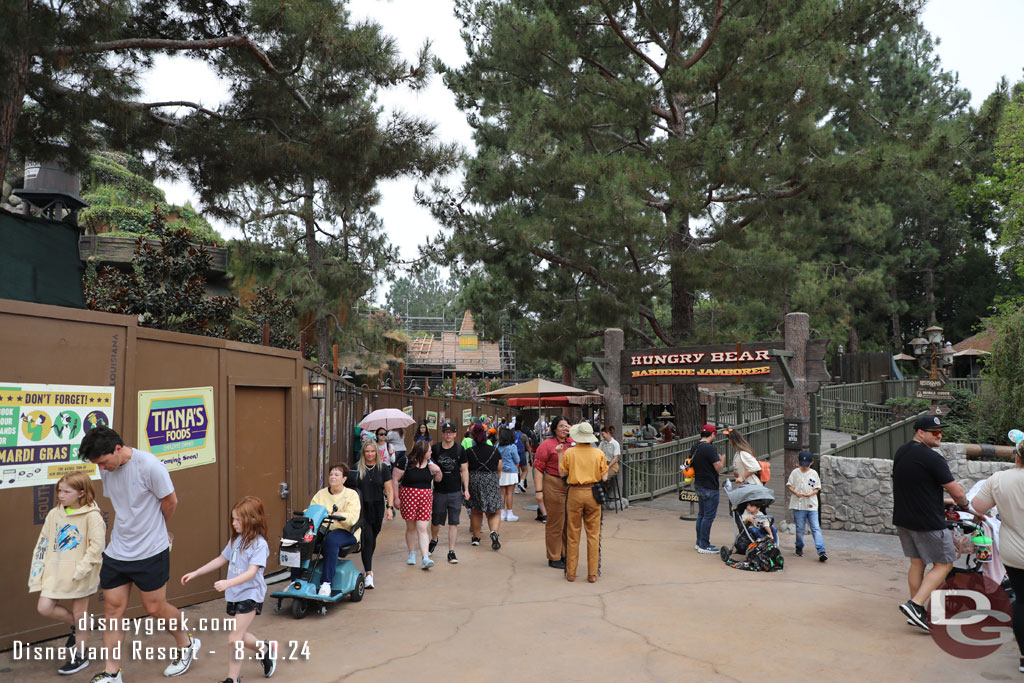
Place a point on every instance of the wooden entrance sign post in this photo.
(796, 366)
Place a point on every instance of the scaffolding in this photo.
(437, 348)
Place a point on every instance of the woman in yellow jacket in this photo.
(583, 465)
(339, 534)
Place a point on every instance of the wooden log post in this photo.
(796, 405)
(614, 342)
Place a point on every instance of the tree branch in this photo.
(659, 69)
(591, 272)
(709, 40)
(795, 189)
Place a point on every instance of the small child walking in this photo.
(509, 473)
(244, 589)
(804, 483)
(66, 562)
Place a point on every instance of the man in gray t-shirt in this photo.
(140, 489)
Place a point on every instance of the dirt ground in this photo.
(659, 612)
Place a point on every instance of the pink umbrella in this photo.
(388, 418)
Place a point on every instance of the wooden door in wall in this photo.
(258, 456)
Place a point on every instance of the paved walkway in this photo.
(660, 612)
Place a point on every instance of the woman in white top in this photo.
(745, 465)
(1005, 490)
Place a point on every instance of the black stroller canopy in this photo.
(739, 497)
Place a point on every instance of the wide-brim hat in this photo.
(582, 433)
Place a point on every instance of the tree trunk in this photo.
(323, 335)
(897, 333)
(16, 61)
(853, 341)
(929, 294)
(684, 396)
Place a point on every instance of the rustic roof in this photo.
(980, 342)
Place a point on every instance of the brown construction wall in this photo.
(269, 431)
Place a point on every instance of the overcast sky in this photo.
(979, 39)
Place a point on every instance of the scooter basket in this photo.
(295, 553)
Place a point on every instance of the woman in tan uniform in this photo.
(583, 465)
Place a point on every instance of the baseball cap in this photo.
(448, 426)
(805, 458)
(709, 428)
(928, 423)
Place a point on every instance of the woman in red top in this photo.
(552, 487)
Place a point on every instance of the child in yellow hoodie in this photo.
(66, 562)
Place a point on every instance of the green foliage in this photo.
(423, 294)
(166, 287)
(267, 308)
(1002, 403)
(691, 189)
(294, 160)
(1007, 180)
(109, 171)
(122, 219)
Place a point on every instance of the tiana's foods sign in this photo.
(715, 363)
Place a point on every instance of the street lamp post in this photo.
(933, 353)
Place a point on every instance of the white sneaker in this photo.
(503, 514)
(325, 590)
(369, 581)
(186, 655)
(511, 517)
(412, 558)
(104, 677)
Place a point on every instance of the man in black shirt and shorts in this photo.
(919, 476)
(453, 489)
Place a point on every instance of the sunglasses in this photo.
(938, 433)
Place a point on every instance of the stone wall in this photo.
(856, 493)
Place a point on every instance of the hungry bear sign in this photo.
(176, 425)
(754, 362)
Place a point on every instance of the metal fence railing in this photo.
(881, 443)
(653, 470)
(854, 418)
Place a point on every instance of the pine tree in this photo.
(620, 142)
(295, 162)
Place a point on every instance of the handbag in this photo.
(599, 493)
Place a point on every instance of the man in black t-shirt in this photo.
(706, 466)
(919, 475)
(451, 491)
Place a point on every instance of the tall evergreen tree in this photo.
(296, 162)
(620, 141)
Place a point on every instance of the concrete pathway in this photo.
(659, 612)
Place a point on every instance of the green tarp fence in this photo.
(39, 261)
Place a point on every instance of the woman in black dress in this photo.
(484, 492)
(372, 478)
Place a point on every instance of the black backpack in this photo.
(295, 529)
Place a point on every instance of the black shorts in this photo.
(148, 575)
(446, 508)
(244, 607)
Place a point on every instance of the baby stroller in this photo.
(301, 546)
(760, 554)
